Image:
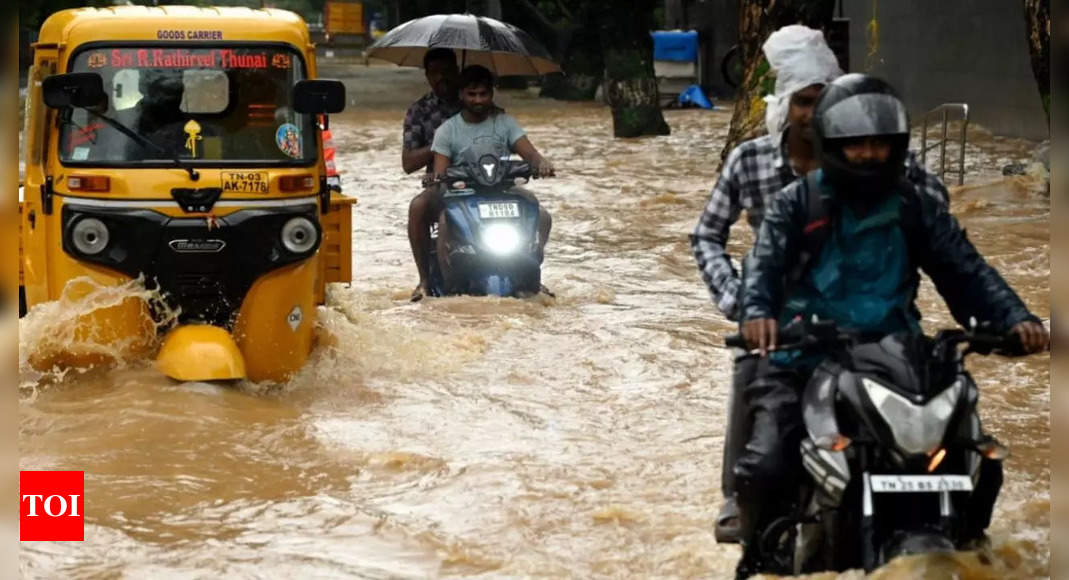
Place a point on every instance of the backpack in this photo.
(820, 217)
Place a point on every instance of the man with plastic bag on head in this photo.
(753, 172)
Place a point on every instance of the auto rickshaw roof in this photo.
(69, 28)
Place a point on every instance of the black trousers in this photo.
(773, 399)
(739, 423)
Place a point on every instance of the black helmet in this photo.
(857, 106)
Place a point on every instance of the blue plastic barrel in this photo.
(675, 45)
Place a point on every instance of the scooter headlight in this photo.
(501, 238)
(299, 235)
(916, 428)
(90, 236)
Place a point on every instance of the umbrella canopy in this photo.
(500, 47)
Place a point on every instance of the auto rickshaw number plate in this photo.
(244, 182)
(499, 210)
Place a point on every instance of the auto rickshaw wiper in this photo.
(145, 142)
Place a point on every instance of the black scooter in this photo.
(486, 240)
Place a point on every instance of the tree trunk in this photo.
(757, 20)
(631, 88)
(1037, 22)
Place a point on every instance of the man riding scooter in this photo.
(845, 245)
(481, 124)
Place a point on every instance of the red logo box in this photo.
(52, 506)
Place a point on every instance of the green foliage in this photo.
(765, 78)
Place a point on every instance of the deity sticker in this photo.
(192, 129)
(98, 60)
(288, 138)
(281, 60)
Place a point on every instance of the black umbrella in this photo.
(500, 47)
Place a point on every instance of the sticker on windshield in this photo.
(80, 154)
(192, 129)
(281, 60)
(288, 138)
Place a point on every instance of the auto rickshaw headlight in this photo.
(90, 236)
(299, 235)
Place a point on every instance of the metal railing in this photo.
(946, 109)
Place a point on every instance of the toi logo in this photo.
(52, 506)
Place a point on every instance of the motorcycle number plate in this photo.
(919, 483)
(509, 209)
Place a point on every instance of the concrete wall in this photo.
(936, 51)
(933, 51)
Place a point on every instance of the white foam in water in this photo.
(202, 387)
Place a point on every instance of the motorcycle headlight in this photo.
(917, 429)
(501, 238)
(299, 235)
(90, 236)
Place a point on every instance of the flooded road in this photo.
(475, 437)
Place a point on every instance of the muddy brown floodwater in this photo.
(478, 437)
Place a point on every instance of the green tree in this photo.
(598, 41)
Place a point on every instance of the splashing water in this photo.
(68, 325)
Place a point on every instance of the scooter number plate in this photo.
(499, 210)
(919, 483)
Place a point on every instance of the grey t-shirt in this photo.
(455, 134)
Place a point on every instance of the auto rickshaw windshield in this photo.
(207, 106)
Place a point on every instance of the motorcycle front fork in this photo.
(870, 552)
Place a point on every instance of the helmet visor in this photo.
(865, 115)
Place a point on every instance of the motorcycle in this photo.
(486, 239)
(893, 449)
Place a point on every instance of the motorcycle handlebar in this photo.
(798, 335)
(735, 341)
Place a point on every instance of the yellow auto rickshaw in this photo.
(183, 145)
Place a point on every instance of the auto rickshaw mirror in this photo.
(317, 97)
(73, 90)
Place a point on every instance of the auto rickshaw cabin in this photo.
(182, 145)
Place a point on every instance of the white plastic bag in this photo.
(800, 57)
